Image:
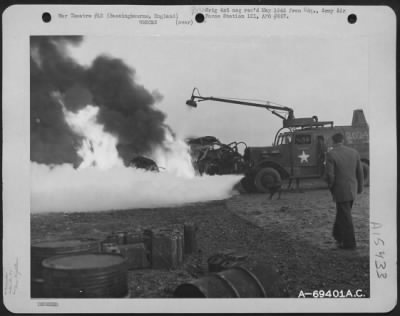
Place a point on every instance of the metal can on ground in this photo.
(85, 276)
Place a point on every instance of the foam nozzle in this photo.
(191, 103)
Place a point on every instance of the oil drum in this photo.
(147, 240)
(238, 281)
(165, 252)
(190, 240)
(96, 275)
(45, 249)
(121, 237)
(37, 288)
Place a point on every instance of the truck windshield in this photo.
(284, 138)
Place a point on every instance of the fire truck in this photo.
(299, 147)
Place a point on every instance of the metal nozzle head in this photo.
(191, 103)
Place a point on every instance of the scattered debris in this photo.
(145, 163)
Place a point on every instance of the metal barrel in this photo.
(121, 237)
(37, 288)
(109, 248)
(164, 252)
(238, 281)
(96, 275)
(112, 238)
(45, 249)
(177, 230)
(180, 246)
(135, 237)
(147, 240)
(190, 241)
(135, 255)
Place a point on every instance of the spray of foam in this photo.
(65, 189)
(102, 182)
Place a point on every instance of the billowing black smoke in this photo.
(126, 108)
(52, 141)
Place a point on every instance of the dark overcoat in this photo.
(344, 173)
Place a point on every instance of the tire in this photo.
(365, 169)
(267, 178)
(247, 183)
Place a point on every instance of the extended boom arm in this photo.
(192, 102)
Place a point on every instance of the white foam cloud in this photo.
(64, 189)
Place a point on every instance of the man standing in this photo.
(345, 179)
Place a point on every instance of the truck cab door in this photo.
(304, 155)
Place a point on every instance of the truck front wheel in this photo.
(267, 179)
(247, 183)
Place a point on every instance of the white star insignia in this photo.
(303, 157)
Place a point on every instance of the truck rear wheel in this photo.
(266, 179)
(365, 169)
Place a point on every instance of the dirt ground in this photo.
(293, 234)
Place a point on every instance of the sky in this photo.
(314, 76)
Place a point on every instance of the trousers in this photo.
(343, 229)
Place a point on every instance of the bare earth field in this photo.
(293, 234)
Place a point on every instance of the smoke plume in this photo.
(125, 107)
(52, 141)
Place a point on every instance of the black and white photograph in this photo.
(186, 160)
